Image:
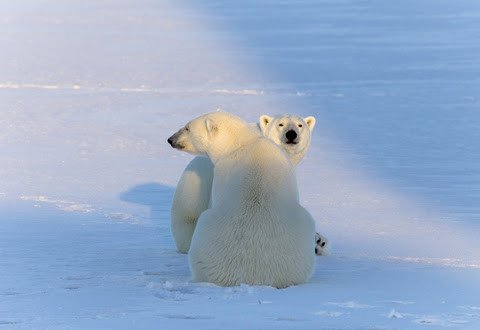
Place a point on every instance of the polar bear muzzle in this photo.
(174, 140)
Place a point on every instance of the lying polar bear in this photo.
(255, 232)
(192, 196)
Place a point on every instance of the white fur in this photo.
(277, 128)
(191, 198)
(255, 231)
(194, 188)
(321, 245)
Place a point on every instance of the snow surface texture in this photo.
(90, 90)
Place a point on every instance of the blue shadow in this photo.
(155, 195)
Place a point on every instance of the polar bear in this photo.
(291, 132)
(192, 196)
(255, 232)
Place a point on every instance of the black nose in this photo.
(170, 141)
(291, 135)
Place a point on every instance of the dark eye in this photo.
(187, 129)
(281, 125)
(300, 125)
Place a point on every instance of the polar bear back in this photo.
(252, 249)
(253, 170)
(255, 232)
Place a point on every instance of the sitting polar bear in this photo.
(193, 192)
(255, 232)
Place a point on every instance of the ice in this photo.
(90, 91)
(395, 315)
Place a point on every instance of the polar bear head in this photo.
(290, 132)
(214, 135)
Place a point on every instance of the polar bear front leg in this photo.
(191, 198)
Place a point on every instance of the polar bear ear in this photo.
(310, 122)
(211, 126)
(264, 121)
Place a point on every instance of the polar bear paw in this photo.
(321, 245)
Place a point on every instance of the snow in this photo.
(90, 91)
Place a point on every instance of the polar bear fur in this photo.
(289, 131)
(193, 192)
(255, 231)
(321, 245)
(191, 198)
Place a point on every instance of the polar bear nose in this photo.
(291, 135)
(170, 141)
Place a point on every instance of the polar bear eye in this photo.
(300, 125)
(281, 125)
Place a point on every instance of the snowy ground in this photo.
(90, 90)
